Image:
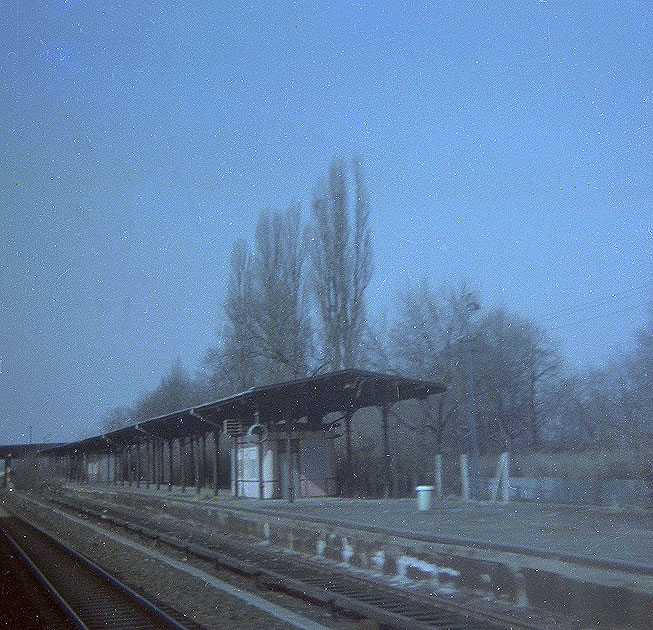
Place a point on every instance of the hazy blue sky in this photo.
(505, 142)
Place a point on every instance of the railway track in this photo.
(31, 603)
(85, 596)
(328, 586)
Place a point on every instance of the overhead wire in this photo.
(599, 315)
(596, 303)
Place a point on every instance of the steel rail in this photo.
(31, 565)
(133, 608)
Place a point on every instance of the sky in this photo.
(506, 143)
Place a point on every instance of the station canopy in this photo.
(281, 406)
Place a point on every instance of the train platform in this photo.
(593, 533)
(587, 563)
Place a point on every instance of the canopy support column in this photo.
(182, 454)
(203, 467)
(216, 462)
(290, 488)
(191, 444)
(385, 409)
(159, 460)
(348, 467)
(139, 464)
(195, 456)
(169, 443)
(148, 462)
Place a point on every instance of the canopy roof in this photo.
(277, 406)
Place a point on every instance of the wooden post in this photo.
(159, 462)
(193, 463)
(148, 461)
(348, 467)
(196, 463)
(289, 469)
(438, 475)
(203, 467)
(182, 453)
(152, 466)
(155, 462)
(169, 443)
(139, 464)
(464, 476)
(386, 451)
(216, 462)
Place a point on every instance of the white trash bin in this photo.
(424, 497)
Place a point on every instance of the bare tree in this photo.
(117, 418)
(267, 336)
(516, 361)
(175, 391)
(341, 254)
(425, 342)
(238, 350)
(512, 362)
(280, 324)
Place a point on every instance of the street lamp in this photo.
(471, 307)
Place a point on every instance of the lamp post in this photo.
(471, 307)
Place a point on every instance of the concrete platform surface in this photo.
(593, 533)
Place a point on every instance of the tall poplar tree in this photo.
(341, 255)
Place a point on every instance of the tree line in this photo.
(296, 305)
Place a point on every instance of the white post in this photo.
(464, 476)
(505, 485)
(501, 478)
(438, 475)
(494, 486)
